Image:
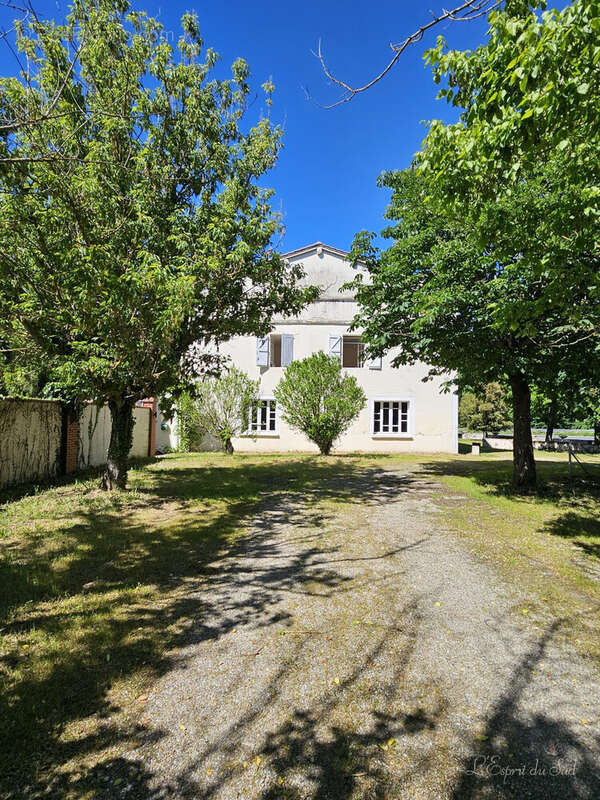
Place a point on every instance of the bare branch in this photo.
(467, 11)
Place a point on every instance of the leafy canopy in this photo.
(434, 293)
(317, 398)
(522, 160)
(133, 233)
(487, 411)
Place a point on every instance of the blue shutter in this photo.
(335, 346)
(287, 349)
(262, 351)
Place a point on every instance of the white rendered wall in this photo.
(434, 414)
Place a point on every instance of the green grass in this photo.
(94, 587)
(547, 542)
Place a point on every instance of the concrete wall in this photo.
(30, 440)
(434, 414)
(94, 434)
(167, 438)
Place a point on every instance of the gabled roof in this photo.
(312, 248)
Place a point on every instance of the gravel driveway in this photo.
(353, 648)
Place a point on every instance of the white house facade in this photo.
(402, 414)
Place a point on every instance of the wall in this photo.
(167, 438)
(94, 434)
(30, 440)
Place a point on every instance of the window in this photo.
(275, 350)
(353, 352)
(391, 417)
(263, 417)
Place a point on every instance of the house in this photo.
(402, 414)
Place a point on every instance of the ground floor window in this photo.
(263, 416)
(391, 417)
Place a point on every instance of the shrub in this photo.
(317, 398)
(221, 407)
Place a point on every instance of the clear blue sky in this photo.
(325, 180)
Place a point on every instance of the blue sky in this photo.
(325, 180)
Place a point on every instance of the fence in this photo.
(40, 440)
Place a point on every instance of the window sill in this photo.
(392, 436)
(260, 435)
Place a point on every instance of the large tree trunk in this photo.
(550, 421)
(228, 446)
(121, 437)
(597, 431)
(524, 476)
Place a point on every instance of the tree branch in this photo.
(467, 11)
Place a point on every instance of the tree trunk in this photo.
(597, 431)
(121, 438)
(524, 476)
(550, 422)
(228, 446)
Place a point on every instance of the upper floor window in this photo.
(352, 352)
(275, 350)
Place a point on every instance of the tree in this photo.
(526, 143)
(487, 411)
(515, 182)
(133, 234)
(222, 405)
(317, 398)
(434, 293)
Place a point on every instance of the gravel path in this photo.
(356, 650)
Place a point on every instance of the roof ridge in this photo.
(314, 246)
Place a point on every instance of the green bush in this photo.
(317, 398)
(220, 408)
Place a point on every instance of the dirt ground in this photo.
(352, 647)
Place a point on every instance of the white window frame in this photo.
(359, 344)
(408, 434)
(252, 432)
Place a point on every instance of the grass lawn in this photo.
(93, 585)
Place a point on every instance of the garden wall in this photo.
(30, 440)
(39, 440)
(94, 434)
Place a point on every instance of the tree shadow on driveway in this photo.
(531, 756)
(98, 592)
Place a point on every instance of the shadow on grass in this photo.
(554, 480)
(105, 590)
(580, 527)
(576, 498)
(99, 590)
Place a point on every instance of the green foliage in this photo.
(486, 412)
(522, 161)
(494, 267)
(435, 293)
(188, 424)
(222, 406)
(131, 219)
(317, 398)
